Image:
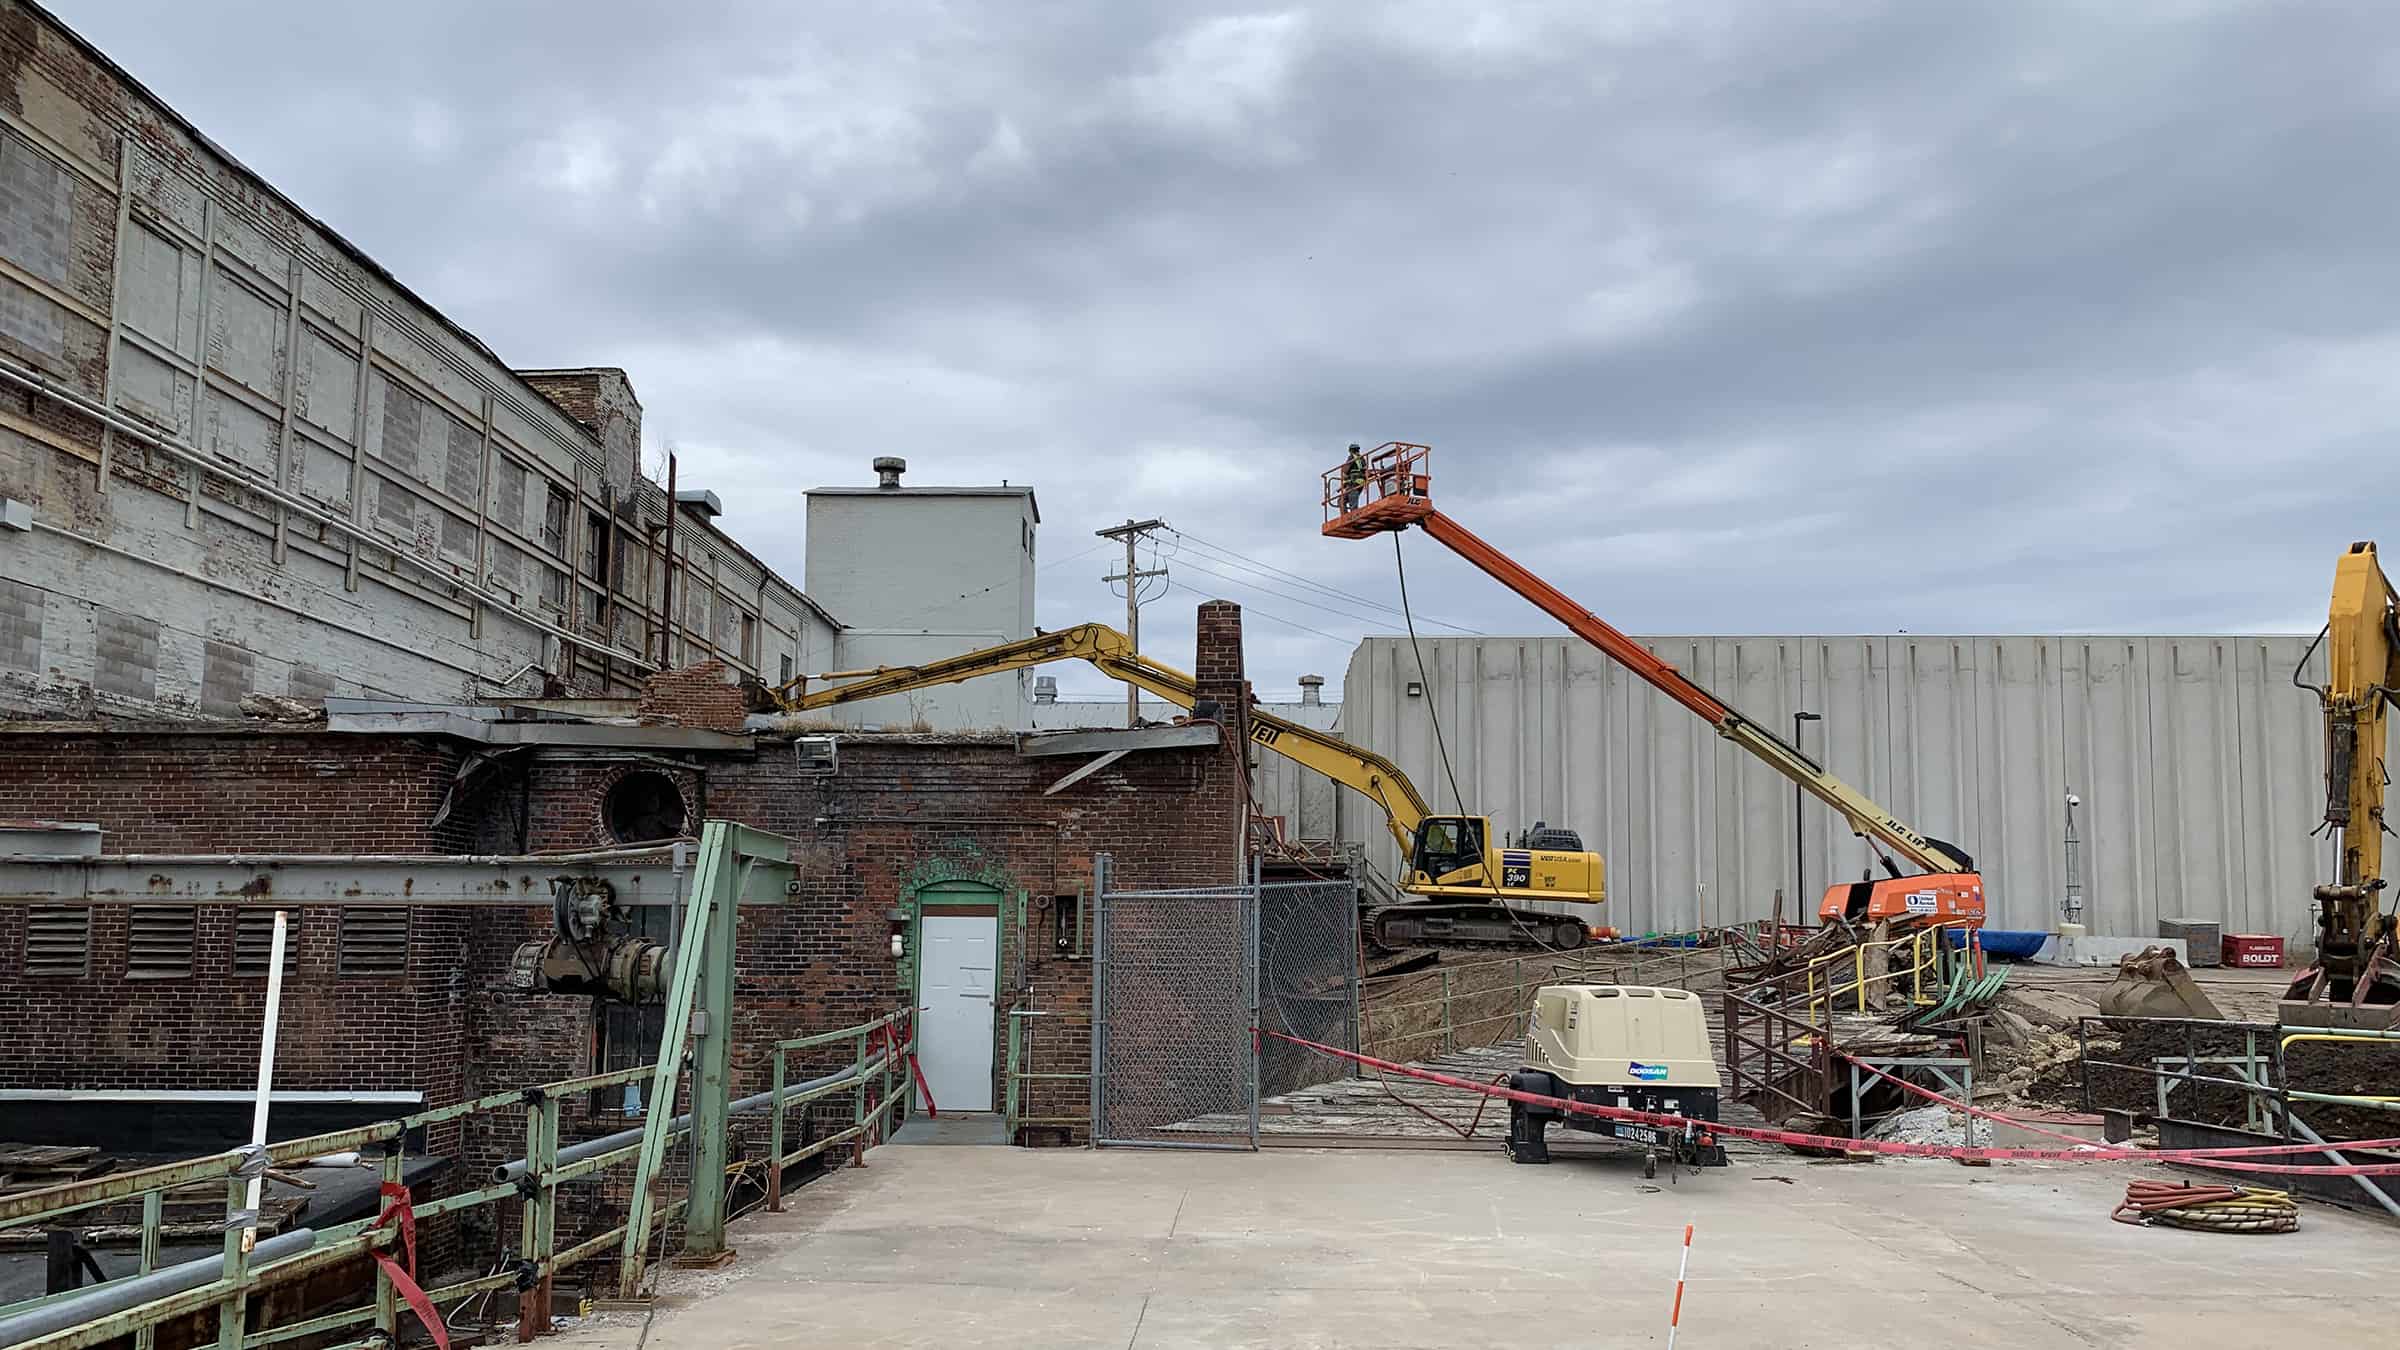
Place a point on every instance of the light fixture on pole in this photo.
(1799, 835)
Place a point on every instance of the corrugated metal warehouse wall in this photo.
(2199, 765)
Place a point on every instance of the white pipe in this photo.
(266, 1076)
(115, 421)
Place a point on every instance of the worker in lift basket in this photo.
(1354, 479)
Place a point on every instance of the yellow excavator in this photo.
(2354, 983)
(1461, 878)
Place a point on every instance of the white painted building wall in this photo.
(922, 573)
(2199, 764)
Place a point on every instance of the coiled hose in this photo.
(2216, 1208)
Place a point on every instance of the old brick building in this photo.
(386, 995)
(237, 456)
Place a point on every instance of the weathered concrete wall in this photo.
(352, 495)
(2199, 765)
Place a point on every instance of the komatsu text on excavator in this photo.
(1464, 883)
(2354, 982)
(1396, 492)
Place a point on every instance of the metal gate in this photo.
(1307, 980)
(1177, 989)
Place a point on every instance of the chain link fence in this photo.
(1180, 978)
(1307, 981)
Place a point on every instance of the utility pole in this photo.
(1131, 533)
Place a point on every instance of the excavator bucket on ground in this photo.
(2153, 983)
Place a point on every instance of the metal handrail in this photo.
(1015, 1077)
(1927, 946)
(543, 1172)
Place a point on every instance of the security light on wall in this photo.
(1416, 689)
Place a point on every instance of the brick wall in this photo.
(264, 791)
(258, 792)
(601, 398)
(704, 696)
(901, 813)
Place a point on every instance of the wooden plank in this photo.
(28, 1156)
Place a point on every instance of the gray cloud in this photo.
(1825, 317)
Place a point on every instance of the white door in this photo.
(954, 1032)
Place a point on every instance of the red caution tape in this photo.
(404, 1279)
(893, 1042)
(2085, 1152)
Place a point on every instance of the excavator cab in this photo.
(1448, 844)
(1463, 888)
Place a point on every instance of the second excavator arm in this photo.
(1112, 653)
(2353, 982)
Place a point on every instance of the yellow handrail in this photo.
(2353, 1038)
(1925, 945)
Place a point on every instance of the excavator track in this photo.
(1477, 924)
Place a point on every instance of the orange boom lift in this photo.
(1396, 492)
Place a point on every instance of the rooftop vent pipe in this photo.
(888, 469)
(1312, 690)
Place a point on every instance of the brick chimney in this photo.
(1217, 658)
(1217, 676)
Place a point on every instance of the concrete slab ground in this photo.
(993, 1247)
(981, 1127)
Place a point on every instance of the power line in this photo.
(1263, 589)
(1175, 585)
(1236, 559)
(1073, 556)
(1264, 567)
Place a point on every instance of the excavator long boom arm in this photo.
(1112, 653)
(1862, 812)
(2355, 982)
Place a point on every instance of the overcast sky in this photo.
(1729, 318)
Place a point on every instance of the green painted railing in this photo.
(735, 865)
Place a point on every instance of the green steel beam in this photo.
(708, 881)
(712, 1058)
